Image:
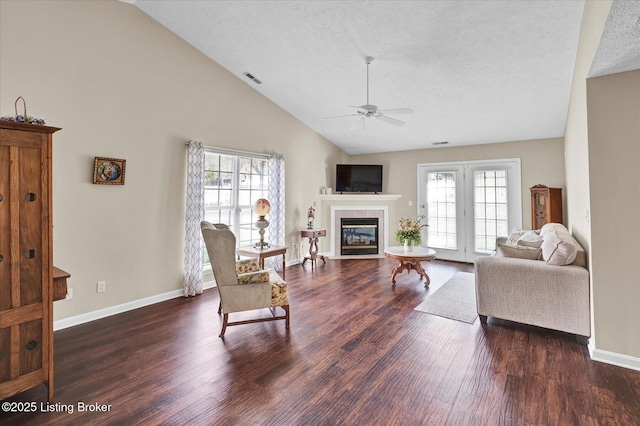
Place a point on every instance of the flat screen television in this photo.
(358, 178)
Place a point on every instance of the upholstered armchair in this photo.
(242, 285)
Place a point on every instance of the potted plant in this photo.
(409, 233)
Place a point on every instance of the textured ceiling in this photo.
(619, 48)
(473, 71)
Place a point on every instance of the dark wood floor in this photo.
(357, 353)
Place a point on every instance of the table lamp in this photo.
(261, 208)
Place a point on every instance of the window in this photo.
(232, 184)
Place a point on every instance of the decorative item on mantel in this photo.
(24, 118)
(410, 232)
(262, 207)
(311, 214)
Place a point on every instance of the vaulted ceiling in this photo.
(473, 72)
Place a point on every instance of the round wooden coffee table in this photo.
(410, 260)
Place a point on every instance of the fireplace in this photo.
(358, 236)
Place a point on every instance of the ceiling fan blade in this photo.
(397, 111)
(338, 116)
(390, 120)
(357, 124)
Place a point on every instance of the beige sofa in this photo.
(552, 292)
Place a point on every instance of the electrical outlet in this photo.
(69, 294)
(102, 286)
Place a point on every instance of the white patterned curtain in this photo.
(276, 197)
(193, 244)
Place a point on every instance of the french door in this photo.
(467, 205)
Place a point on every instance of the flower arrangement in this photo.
(410, 230)
(24, 119)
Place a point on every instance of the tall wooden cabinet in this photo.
(546, 206)
(26, 260)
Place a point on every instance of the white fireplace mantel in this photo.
(359, 197)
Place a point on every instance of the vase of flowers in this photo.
(409, 233)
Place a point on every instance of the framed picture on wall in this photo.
(108, 171)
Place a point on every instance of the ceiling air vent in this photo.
(440, 143)
(252, 77)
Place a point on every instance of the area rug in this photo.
(456, 299)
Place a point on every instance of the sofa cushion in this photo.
(531, 239)
(552, 226)
(514, 236)
(557, 249)
(505, 250)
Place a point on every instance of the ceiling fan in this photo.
(368, 110)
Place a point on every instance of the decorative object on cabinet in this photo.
(23, 118)
(108, 171)
(262, 207)
(546, 206)
(26, 258)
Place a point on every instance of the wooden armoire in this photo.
(26, 258)
(546, 206)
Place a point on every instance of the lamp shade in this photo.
(262, 207)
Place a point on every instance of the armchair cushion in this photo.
(247, 265)
(279, 293)
(253, 277)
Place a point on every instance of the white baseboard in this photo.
(613, 358)
(118, 309)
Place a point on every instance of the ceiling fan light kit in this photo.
(369, 110)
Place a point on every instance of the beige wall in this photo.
(576, 135)
(542, 162)
(614, 148)
(121, 85)
(603, 192)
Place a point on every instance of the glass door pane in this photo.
(490, 207)
(441, 210)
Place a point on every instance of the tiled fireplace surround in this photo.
(337, 206)
(339, 212)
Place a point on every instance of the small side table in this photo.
(410, 261)
(313, 235)
(262, 253)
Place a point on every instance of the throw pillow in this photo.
(514, 236)
(505, 250)
(555, 251)
(551, 226)
(530, 239)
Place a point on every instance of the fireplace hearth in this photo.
(358, 236)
